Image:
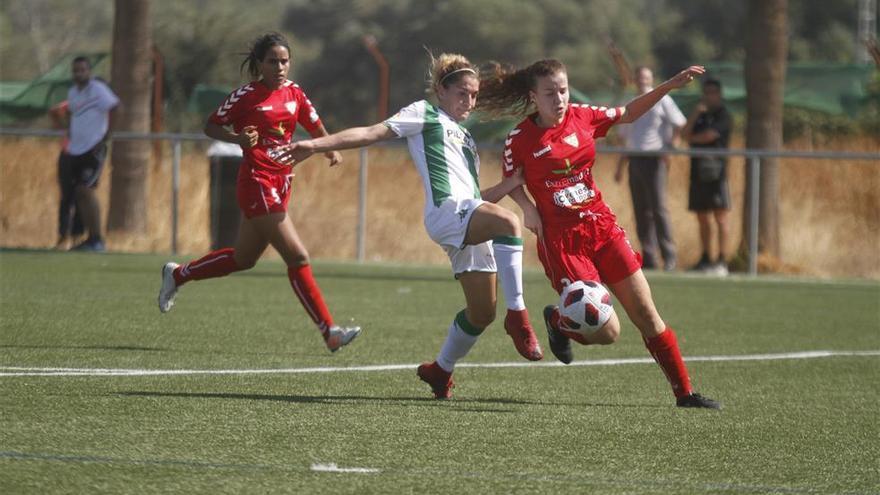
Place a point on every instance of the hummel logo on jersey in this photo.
(541, 152)
(462, 213)
(572, 140)
(233, 98)
(291, 106)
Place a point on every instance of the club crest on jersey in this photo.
(572, 140)
(278, 130)
(541, 152)
(290, 106)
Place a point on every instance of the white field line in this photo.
(7, 371)
(333, 468)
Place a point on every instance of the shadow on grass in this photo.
(88, 347)
(355, 274)
(343, 399)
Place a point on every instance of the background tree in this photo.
(202, 40)
(766, 49)
(132, 81)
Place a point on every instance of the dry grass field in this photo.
(830, 210)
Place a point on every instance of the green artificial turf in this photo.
(788, 425)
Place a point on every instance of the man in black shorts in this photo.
(89, 103)
(709, 126)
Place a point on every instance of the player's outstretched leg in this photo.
(282, 235)
(665, 351)
(634, 295)
(508, 257)
(309, 294)
(217, 263)
(460, 338)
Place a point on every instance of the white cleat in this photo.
(340, 336)
(169, 287)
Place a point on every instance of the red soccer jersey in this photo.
(275, 115)
(556, 165)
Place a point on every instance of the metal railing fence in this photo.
(753, 158)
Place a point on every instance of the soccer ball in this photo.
(584, 307)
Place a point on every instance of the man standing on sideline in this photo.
(648, 174)
(709, 126)
(89, 103)
(70, 224)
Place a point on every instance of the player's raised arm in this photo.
(642, 103)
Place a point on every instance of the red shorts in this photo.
(571, 253)
(260, 193)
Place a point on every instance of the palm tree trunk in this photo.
(131, 77)
(766, 53)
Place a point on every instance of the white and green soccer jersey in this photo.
(443, 151)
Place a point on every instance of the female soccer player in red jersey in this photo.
(473, 231)
(578, 235)
(261, 116)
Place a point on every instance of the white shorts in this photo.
(447, 226)
(475, 258)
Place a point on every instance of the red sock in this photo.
(309, 295)
(664, 349)
(214, 264)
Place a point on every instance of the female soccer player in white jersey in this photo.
(578, 235)
(260, 117)
(475, 233)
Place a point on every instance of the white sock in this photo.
(457, 344)
(508, 257)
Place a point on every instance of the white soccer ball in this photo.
(584, 307)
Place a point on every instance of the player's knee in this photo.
(245, 263)
(481, 317)
(647, 320)
(609, 333)
(508, 223)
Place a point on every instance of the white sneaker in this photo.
(720, 269)
(340, 336)
(169, 287)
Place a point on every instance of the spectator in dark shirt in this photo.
(709, 127)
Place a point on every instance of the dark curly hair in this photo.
(258, 51)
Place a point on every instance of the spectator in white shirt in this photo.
(648, 174)
(90, 102)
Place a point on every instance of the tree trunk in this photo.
(766, 53)
(131, 76)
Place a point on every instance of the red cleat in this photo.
(440, 380)
(520, 330)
